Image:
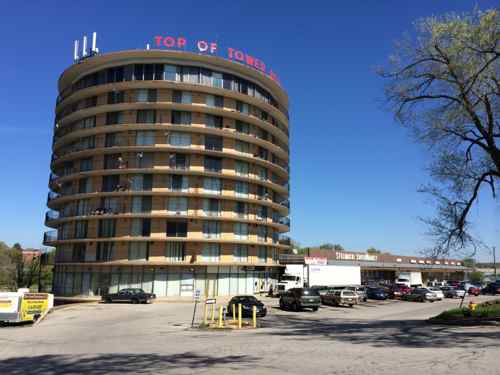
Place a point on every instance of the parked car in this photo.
(247, 304)
(300, 298)
(398, 290)
(131, 295)
(420, 295)
(340, 297)
(322, 289)
(376, 293)
(360, 291)
(451, 292)
(438, 292)
(492, 288)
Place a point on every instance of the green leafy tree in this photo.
(469, 262)
(443, 83)
(373, 251)
(476, 276)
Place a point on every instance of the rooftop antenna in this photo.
(75, 52)
(94, 43)
(84, 47)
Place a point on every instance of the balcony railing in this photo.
(51, 215)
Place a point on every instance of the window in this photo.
(179, 183)
(213, 143)
(261, 192)
(211, 252)
(217, 79)
(82, 207)
(212, 185)
(110, 183)
(240, 209)
(243, 147)
(241, 189)
(146, 95)
(275, 255)
(176, 228)
(261, 233)
(178, 139)
(211, 207)
(241, 168)
(141, 182)
(177, 205)
(262, 254)
(178, 161)
(211, 229)
(181, 118)
(242, 127)
(183, 97)
(146, 116)
(240, 253)
(242, 107)
(141, 204)
(261, 213)
(111, 161)
(111, 140)
(175, 251)
(263, 174)
(113, 118)
(214, 101)
(104, 251)
(85, 164)
(190, 74)
(212, 121)
(171, 73)
(84, 185)
(138, 251)
(110, 205)
(206, 77)
(81, 229)
(107, 228)
(145, 138)
(88, 122)
(141, 227)
(144, 159)
(263, 153)
(115, 97)
(79, 252)
(241, 231)
(213, 164)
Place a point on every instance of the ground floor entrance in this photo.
(164, 281)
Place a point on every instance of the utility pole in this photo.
(495, 262)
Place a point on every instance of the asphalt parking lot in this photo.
(389, 337)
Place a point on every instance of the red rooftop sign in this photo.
(211, 48)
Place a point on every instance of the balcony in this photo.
(284, 240)
(49, 236)
(52, 195)
(51, 215)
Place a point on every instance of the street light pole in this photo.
(495, 263)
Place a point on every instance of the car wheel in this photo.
(282, 305)
(351, 306)
(295, 306)
(315, 309)
(135, 301)
(108, 300)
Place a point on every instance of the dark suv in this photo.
(300, 298)
(492, 288)
(131, 295)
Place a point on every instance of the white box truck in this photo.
(410, 279)
(299, 275)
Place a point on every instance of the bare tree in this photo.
(444, 84)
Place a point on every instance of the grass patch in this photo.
(490, 309)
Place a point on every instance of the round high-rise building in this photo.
(169, 173)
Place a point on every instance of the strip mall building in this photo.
(384, 268)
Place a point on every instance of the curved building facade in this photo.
(169, 173)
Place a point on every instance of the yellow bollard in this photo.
(254, 316)
(213, 312)
(220, 317)
(205, 315)
(239, 315)
(234, 312)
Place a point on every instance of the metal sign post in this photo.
(197, 296)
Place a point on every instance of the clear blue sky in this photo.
(354, 172)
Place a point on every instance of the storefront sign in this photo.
(319, 261)
(212, 48)
(340, 255)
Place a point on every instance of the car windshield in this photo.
(348, 293)
(287, 278)
(309, 292)
(245, 299)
